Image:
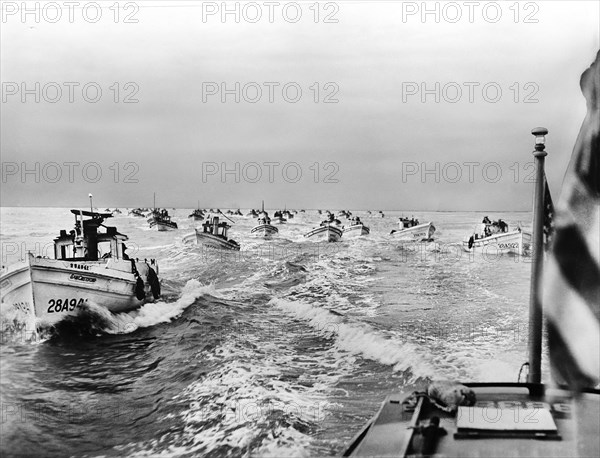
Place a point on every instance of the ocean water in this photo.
(284, 349)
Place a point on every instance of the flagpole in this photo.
(535, 306)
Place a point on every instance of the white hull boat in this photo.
(163, 225)
(206, 239)
(214, 235)
(517, 242)
(264, 230)
(52, 289)
(421, 233)
(325, 233)
(356, 230)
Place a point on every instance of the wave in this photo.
(361, 339)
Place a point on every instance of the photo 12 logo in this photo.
(271, 172)
(53, 172)
(69, 12)
(270, 12)
(454, 172)
(269, 92)
(68, 91)
(456, 12)
(468, 91)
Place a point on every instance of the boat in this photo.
(160, 219)
(356, 228)
(116, 211)
(197, 214)
(89, 267)
(525, 419)
(252, 214)
(497, 419)
(411, 229)
(264, 228)
(496, 236)
(138, 212)
(330, 230)
(278, 218)
(213, 234)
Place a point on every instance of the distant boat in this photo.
(252, 214)
(140, 213)
(264, 228)
(357, 228)
(278, 218)
(213, 234)
(329, 230)
(197, 214)
(160, 219)
(53, 289)
(411, 229)
(497, 235)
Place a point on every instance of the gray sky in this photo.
(374, 59)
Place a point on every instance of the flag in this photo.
(571, 282)
(548, 215)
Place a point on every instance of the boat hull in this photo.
(325, 233)
(516, 242)
(264, 230)
(206, 239)
(163, 226)
(421, 233)
(356, 231)
(54, 289)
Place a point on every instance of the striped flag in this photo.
(548, 215)
(571, 283)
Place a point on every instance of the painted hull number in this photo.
(67, 305)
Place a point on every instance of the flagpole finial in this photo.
(540, 137)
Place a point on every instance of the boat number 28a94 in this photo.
(67, 305)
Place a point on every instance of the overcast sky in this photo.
(367, 150)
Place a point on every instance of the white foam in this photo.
(154, 313)
(361, 339)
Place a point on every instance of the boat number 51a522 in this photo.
(67, 305)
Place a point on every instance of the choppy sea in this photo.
(284, 349)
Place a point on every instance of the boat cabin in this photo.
(484, 230)
(83, 243)
(215, 228)
(406, 223)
